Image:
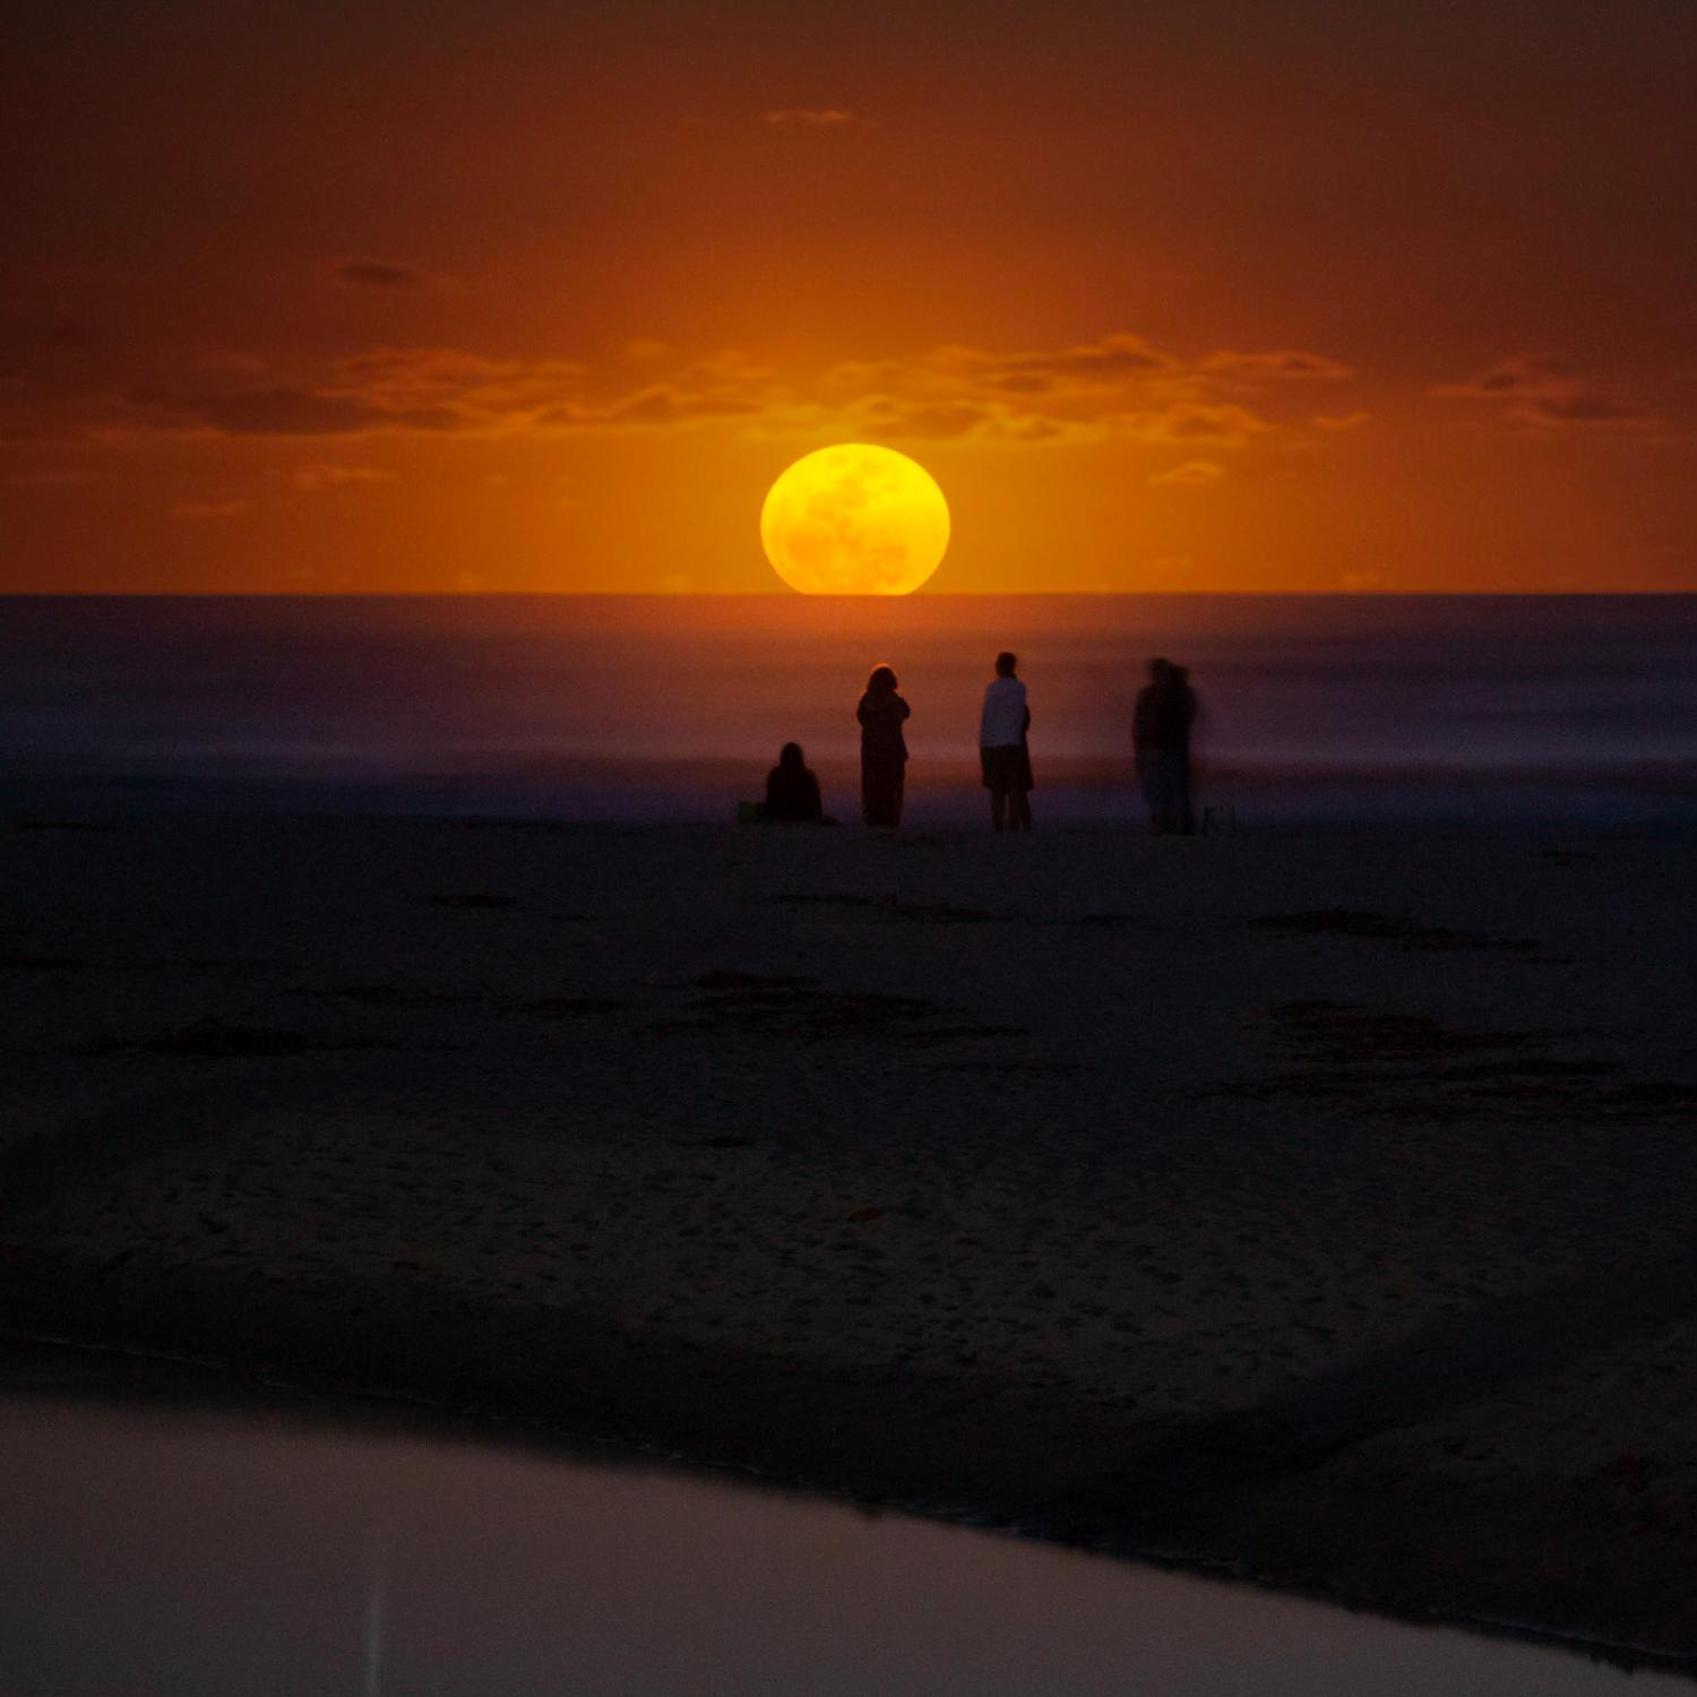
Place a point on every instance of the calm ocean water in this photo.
(645, 708)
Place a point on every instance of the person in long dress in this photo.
(883, 750)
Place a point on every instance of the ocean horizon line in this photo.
(792, 596)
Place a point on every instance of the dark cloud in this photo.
(1587, 409)
(662, 404)
(1231, 426)
(1024, 427)
(1112, 356)
(1281, 364)
(658, 404)
(1524, 374)
(289, 412)
(1117, 386)
(884, 415)
(1547, 394)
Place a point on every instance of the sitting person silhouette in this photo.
(792, 791)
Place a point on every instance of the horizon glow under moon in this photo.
(855, 519)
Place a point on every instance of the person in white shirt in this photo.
(1002, 748)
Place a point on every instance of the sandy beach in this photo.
(1316, 1206)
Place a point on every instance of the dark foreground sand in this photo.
(1318, 1206)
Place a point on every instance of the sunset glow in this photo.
(1347, 298)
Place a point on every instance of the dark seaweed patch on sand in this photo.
(893, 907)
(213, 1039)
(1012, 1069)
(752, 983)
(1400, 928)
(1654, 1097)
(947, 913)
(389, 996)
(757, 1004)
(1340, 1033)
(1411, 1067)
(567, 1007)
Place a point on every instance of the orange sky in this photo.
(521, 296)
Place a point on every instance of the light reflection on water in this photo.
(168, 1554)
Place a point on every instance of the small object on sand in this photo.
(215, 1039)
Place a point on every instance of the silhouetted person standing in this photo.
(1160, 740)
(792, 791)
(1003, 750)
(883, 749)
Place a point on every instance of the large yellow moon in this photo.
(855, 520)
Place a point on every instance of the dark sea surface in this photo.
(1313, 708)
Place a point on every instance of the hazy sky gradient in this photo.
(1208, 295)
